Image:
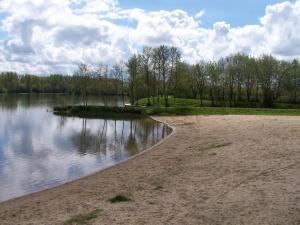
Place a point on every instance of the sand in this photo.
(212, 170)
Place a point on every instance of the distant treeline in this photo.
(236, 80)
(96, 83)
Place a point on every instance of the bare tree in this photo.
(83, 73)
(118, 73)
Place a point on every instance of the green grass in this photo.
(182, 111)
(83, 218)
(119, 198)
(119, 112)
(186, 102)
(180, 107)
(178, 102)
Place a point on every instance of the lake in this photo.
(39, 150)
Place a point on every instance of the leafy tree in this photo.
(200, 76)
(132, 71)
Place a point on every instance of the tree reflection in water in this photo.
(117, 139)
(39, 150)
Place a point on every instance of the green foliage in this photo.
(56, 83)
(133, 78)
(157, 73)
(236, 81)
(175, 102)
(83, 218)
(151, 71)
(119, 198)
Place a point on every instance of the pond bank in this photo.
(213, 170)
(142, 111)
(100, 111)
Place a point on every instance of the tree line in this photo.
(156, 73)
(236, 80)
(84, 81)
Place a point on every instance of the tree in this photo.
(295, 78)
(145, 61)
(175, 57)
(269, 79)
(132, 71)
(249, 70)
(213, 72)
(199, 75)
(164, 58)
(84, 75)
(118, 73)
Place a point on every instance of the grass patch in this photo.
(137, 112)
(119, 198)
(174, 102)
(183, 106)
(180, 107)
(182, 111)
(188, 102)
(83, 218)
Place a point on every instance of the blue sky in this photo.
(54, 36)
(3, 35)
(235, 12)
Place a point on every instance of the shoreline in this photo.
(101, 170)
(209, 170)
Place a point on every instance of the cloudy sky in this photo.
(47, 36)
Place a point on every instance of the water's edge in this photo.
(173, 130)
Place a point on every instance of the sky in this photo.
(55, 36)
(235, 12)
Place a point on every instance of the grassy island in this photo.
(177, 110)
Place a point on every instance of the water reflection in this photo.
(40, 150)
(117, 139)
(12, 101)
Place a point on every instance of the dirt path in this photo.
(213, 170)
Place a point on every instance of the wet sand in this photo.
(212, 170)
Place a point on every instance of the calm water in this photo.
(39, 150)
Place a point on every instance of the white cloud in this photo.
(47, 36)
(200, 14)
(282, 27)
(94, 6)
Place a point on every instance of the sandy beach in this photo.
(212, 170)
